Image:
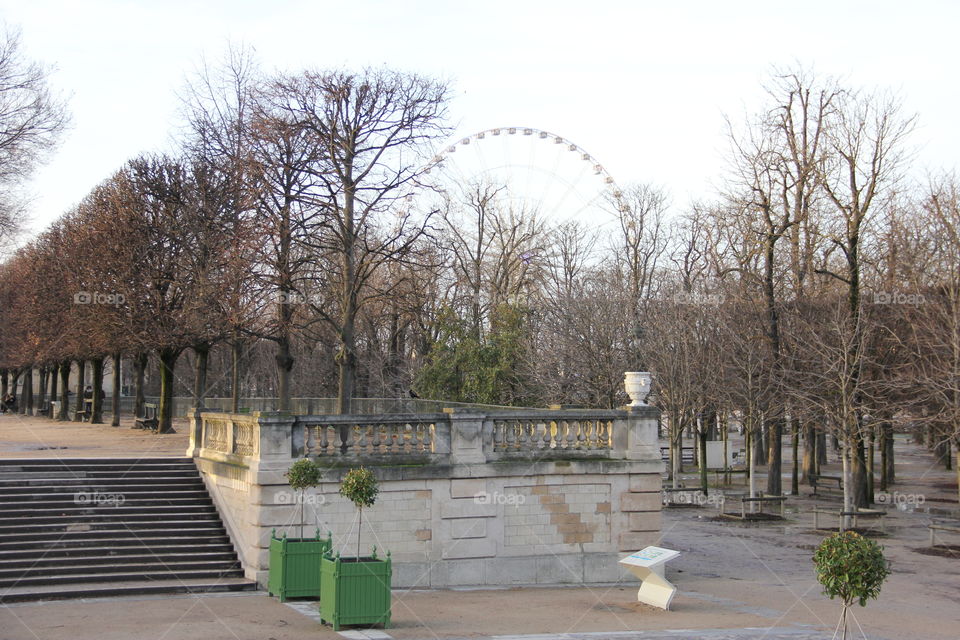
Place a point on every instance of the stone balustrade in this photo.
(454, 436)
(467, 496)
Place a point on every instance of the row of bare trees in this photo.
(299, 230)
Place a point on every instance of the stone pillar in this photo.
(195, 421)
(275, 448)
(641, 433)
(466, 437)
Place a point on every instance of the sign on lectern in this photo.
(647, 564)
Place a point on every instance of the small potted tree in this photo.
(295, 562)
(356, 590)
(851, 567)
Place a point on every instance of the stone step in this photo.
(70, 500)
(160, 488)
(141, 539)
(106, 554)
(133, 526)
(112, 531)
(135, 575)
(104, 512)
(95, 589)
(152, 479)
(11, 575)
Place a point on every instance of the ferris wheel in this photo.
(535, 171)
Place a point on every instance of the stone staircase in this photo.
(95, 527)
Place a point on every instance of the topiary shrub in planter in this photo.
(852, 568)
(295, 562)
(356, 590)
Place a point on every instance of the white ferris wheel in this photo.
(535, 170)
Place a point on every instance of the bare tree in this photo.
(32, 118)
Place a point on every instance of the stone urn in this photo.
(637, 384)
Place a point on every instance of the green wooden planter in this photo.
(355, 592)
(295, 565)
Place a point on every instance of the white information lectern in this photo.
(647, 564)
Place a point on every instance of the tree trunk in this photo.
(775, 457)
(78, 405)
(115, 400)
(4, 388)
(235, 347)
(859, 473)
(821, 449)
(168, 360)
(202, 350)
(871, 442)
(759, 444)
(795, 470)
(64, 391)
(53, 387)
(284, 367)
(96, 414)
(890, 460)
(26, 406)
(42, 389)
(809, 452)
(139, 368)
(702, 454)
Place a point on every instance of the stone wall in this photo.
(450, 522)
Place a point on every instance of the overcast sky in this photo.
(642, 85)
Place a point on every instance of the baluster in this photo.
(607, 429)
(350, 437)
(522, 428)
(324, 439)
(309, 441)
(511, 435)
(377, 439)
(581, 437)
(571, 436)
(362, 438)
(497, 436)
(424, 434)
(409, 438)
(547, 435)
(387, 438)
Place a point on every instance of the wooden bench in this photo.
(869, 514)
(815, 481)
(941, 527)
(84, 415)
(761, 500)
(149, 419)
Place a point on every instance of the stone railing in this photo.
(453, 437)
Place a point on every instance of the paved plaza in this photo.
(735, 581)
